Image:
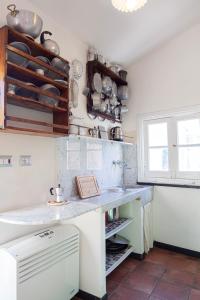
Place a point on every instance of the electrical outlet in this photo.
(25, 160)
(5, 161)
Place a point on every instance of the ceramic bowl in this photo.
(38, 68)
(46, 99)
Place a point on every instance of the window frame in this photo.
(173, 176)
(186, 174)
(147, 172)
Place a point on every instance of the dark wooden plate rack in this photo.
(92, 68)
(19, 76)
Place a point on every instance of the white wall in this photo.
(177, 217)
(168, 78)
(26, 186)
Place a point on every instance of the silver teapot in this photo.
(49, 44)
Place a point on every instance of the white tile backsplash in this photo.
(85, 157)
(73, 151)
(94, 156)
(130, 157)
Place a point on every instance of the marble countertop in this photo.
(45, 214)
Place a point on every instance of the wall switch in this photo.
(25, 160)
(5, 161)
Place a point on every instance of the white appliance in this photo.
(41, 266)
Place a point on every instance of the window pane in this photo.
(158, 159)
(189, 159)
(157, 134)
(189, 132)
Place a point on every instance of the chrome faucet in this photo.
(122, 164)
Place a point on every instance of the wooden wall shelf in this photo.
(33, 104)
(21, 72)
(36, 48)
(14, 74)
(92, 68)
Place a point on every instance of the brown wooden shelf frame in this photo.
(36, 90)
(40, 123)
(31, 74)
(11, 73)
(37, 48)
(36, 60)
(33, 104)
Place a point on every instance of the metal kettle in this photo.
(59, 193)
(116, 134)
(49, 44)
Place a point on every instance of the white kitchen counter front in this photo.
(45, 214)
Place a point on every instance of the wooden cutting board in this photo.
(87, 186)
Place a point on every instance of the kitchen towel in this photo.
(148, 227)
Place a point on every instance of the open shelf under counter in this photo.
(114, 260)
(115, 226)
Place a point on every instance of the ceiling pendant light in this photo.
(128, 5)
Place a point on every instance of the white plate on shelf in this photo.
(97, 83)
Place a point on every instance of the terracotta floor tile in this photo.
(111, 286)
(163, 275)
(198, 268)
(183, 264)
(124, 293)
(131, 263)
(140, 281)
(160, 250)
(118, 274)
(181, 255)
(158, 257)
(197, 281)
(152, 268)
(169, 291)
(179, 277)
(194, 295)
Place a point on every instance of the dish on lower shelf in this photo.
(116, 244)
(114, 260)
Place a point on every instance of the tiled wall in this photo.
(130, 171)
(87, 157)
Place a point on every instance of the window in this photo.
(189, 145)
(157, 137)
(169, 148)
